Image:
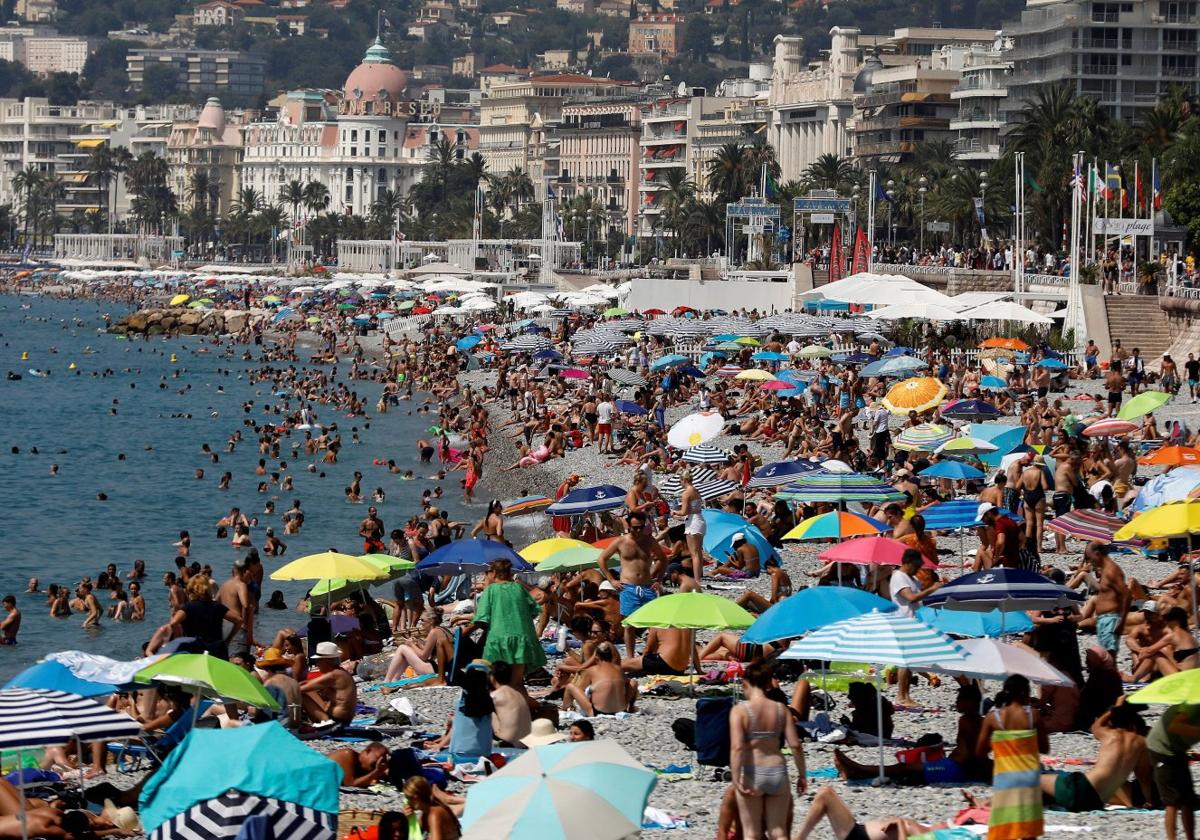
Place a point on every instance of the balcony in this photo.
(1100, 69)
(663, 139)
(668, 112)
(976, 150)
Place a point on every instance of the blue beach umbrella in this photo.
(957, 513)
(1004, 436)
(810, 609)
(769, 356)
(664, 362)
(468, 342)
(722, 338)
(894, 366)
(548, 355)
(851, 358)
(705, 358)
(463, 555)
(591, 789)
(1005, 589)
(722, 525)
(896, 351)
(629, 407)
(780, 472)
(972, 410)
(974, 625)
(1052, 364)
(54, 676)
(993, 382)
(588, 500)
(956, 470)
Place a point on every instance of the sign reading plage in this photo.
(1125, 227)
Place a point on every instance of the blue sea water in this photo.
(54, 528)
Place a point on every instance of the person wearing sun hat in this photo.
(279, 684)
(542, 732)
(331, 694)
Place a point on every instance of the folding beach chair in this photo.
(130, 755)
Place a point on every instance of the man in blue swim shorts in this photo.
(642, 564)
(1111, 600)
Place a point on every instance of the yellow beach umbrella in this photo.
(330, 564)
(747, 341)
(545, 549)
(920, 393)
(1176, 519)
(178, 299)
(815, 351)
(754, 374)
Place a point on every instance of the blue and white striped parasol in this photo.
(705, 454)
(780, 472)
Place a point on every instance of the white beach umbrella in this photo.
(695, 429)
(988, 659)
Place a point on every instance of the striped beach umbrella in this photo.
(957, 513)
(728, 370)
(839, 487)
(780, 472)
(39, 717)
(224, 817)
(626, 378)
(588, 500)
(708, 488)
(526, 344)
(925, 437)
(705, 454)
(672, 485)
(1091, 525)
(1111, 427)
(964, 447)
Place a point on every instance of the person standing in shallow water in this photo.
(11, 624)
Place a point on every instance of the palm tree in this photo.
(706, 223)
(477, 167)
(27, 181)
(271, 220)
(316, 196)
(100, 165)
(726, 173)
(676, 196)
(828, 172)
(292, 195)
(520, 187)
(385, 210)
(442, 160)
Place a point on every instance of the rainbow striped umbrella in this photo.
(1091, 525)
(839, 487)
(835, 525)
(926, 437)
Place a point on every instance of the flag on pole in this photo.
(770, 186)
(1139, 192)
(1097, 184)
(1112, 181)
(835, 256)
(1077, 179)
(861, 256)
(1155, 186)
(880, 193)
(1032, 184)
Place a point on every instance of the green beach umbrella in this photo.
(1143, 404)
(575, 559)
(335, 588)
(199, 673)
(312, 319)
(729, 345)
(691, 611)
(615, 312)
(747, 341)
(815, 351)
(344, 307)
(1183, 687)
(405, 305)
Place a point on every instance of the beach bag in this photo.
(712, 730)
(357, 824)
(921, 755)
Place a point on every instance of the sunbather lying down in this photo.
(827, 804)
(45, 819)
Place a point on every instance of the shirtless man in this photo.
(371, 530)
(176, 597)
(668, 651)
(235, 595)
(11, 624)
(1106, 609)
(331, 694)
(1122, 753)
(1066, 477)
(1114, 383)
(642, 562)
(362, 769)
(1149, 632)
(607, 691)
(845, 826)
(1124, 467)
(511, 719)
(91, 605)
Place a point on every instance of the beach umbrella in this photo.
(865, 551)
(543, 550)
(615, 312)
(1014, 344)
(780, 472)
(747, 341)
(588, 500)
(1172, 456)
(852, 358)
(917, 394)
(721, 526)
(956, 513)
(705, 454)
(1143, 404)
(925, 437)
(836, 525)
(51, 675)
(1052, 364)
(1090, 525)
(839, 487)
(217, 779)
(810, 609)
(955, 470)
(42, 717)
(591, 789)
(814, 351)
(526, 504)
(664, 362)
(208, 676)
(575, 559)
(463, 556)
(878, 638)
(975, 624)
(769, 356)
(180, 299)
(754, 375)
(965, 447)
(1181, 687)
(987, 659)
(468, 342)
(709, 487)
(1111, 427)
(574, 373)
(626, 377)
(778, 385)
(973, 411)
(690, 611)
(1003, 589)
(629, 407)
(695, 429)
(335, 588)
(993, 382)
(1174, 519)
(727, 371)
(329, 564)
(897, 366)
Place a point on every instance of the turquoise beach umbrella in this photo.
(590, 789)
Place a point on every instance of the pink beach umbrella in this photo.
(863, 551)
(574, 373)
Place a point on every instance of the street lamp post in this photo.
(983, 185)
(923, 185)
(891, 194)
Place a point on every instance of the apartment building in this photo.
(597, 155)
(205, 72)
(980, 93)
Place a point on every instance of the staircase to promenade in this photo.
(1138, 321)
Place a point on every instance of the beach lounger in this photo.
(153, 750)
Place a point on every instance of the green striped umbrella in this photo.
(839, 487)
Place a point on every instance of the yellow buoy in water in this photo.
(173, 358)
(25, 356)
(71, 366)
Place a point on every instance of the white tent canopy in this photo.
(916, 309)
(1005, 310)
(969, 300)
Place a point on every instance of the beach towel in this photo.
(1016, 786)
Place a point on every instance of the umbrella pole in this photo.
(1192, 579)
(21, 792)
(879, 722)
(79, 754)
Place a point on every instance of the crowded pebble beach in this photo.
(511, 491)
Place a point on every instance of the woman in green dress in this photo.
(506, 611)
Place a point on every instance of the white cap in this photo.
(606, 586)
(984, 507)
(739, 537)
